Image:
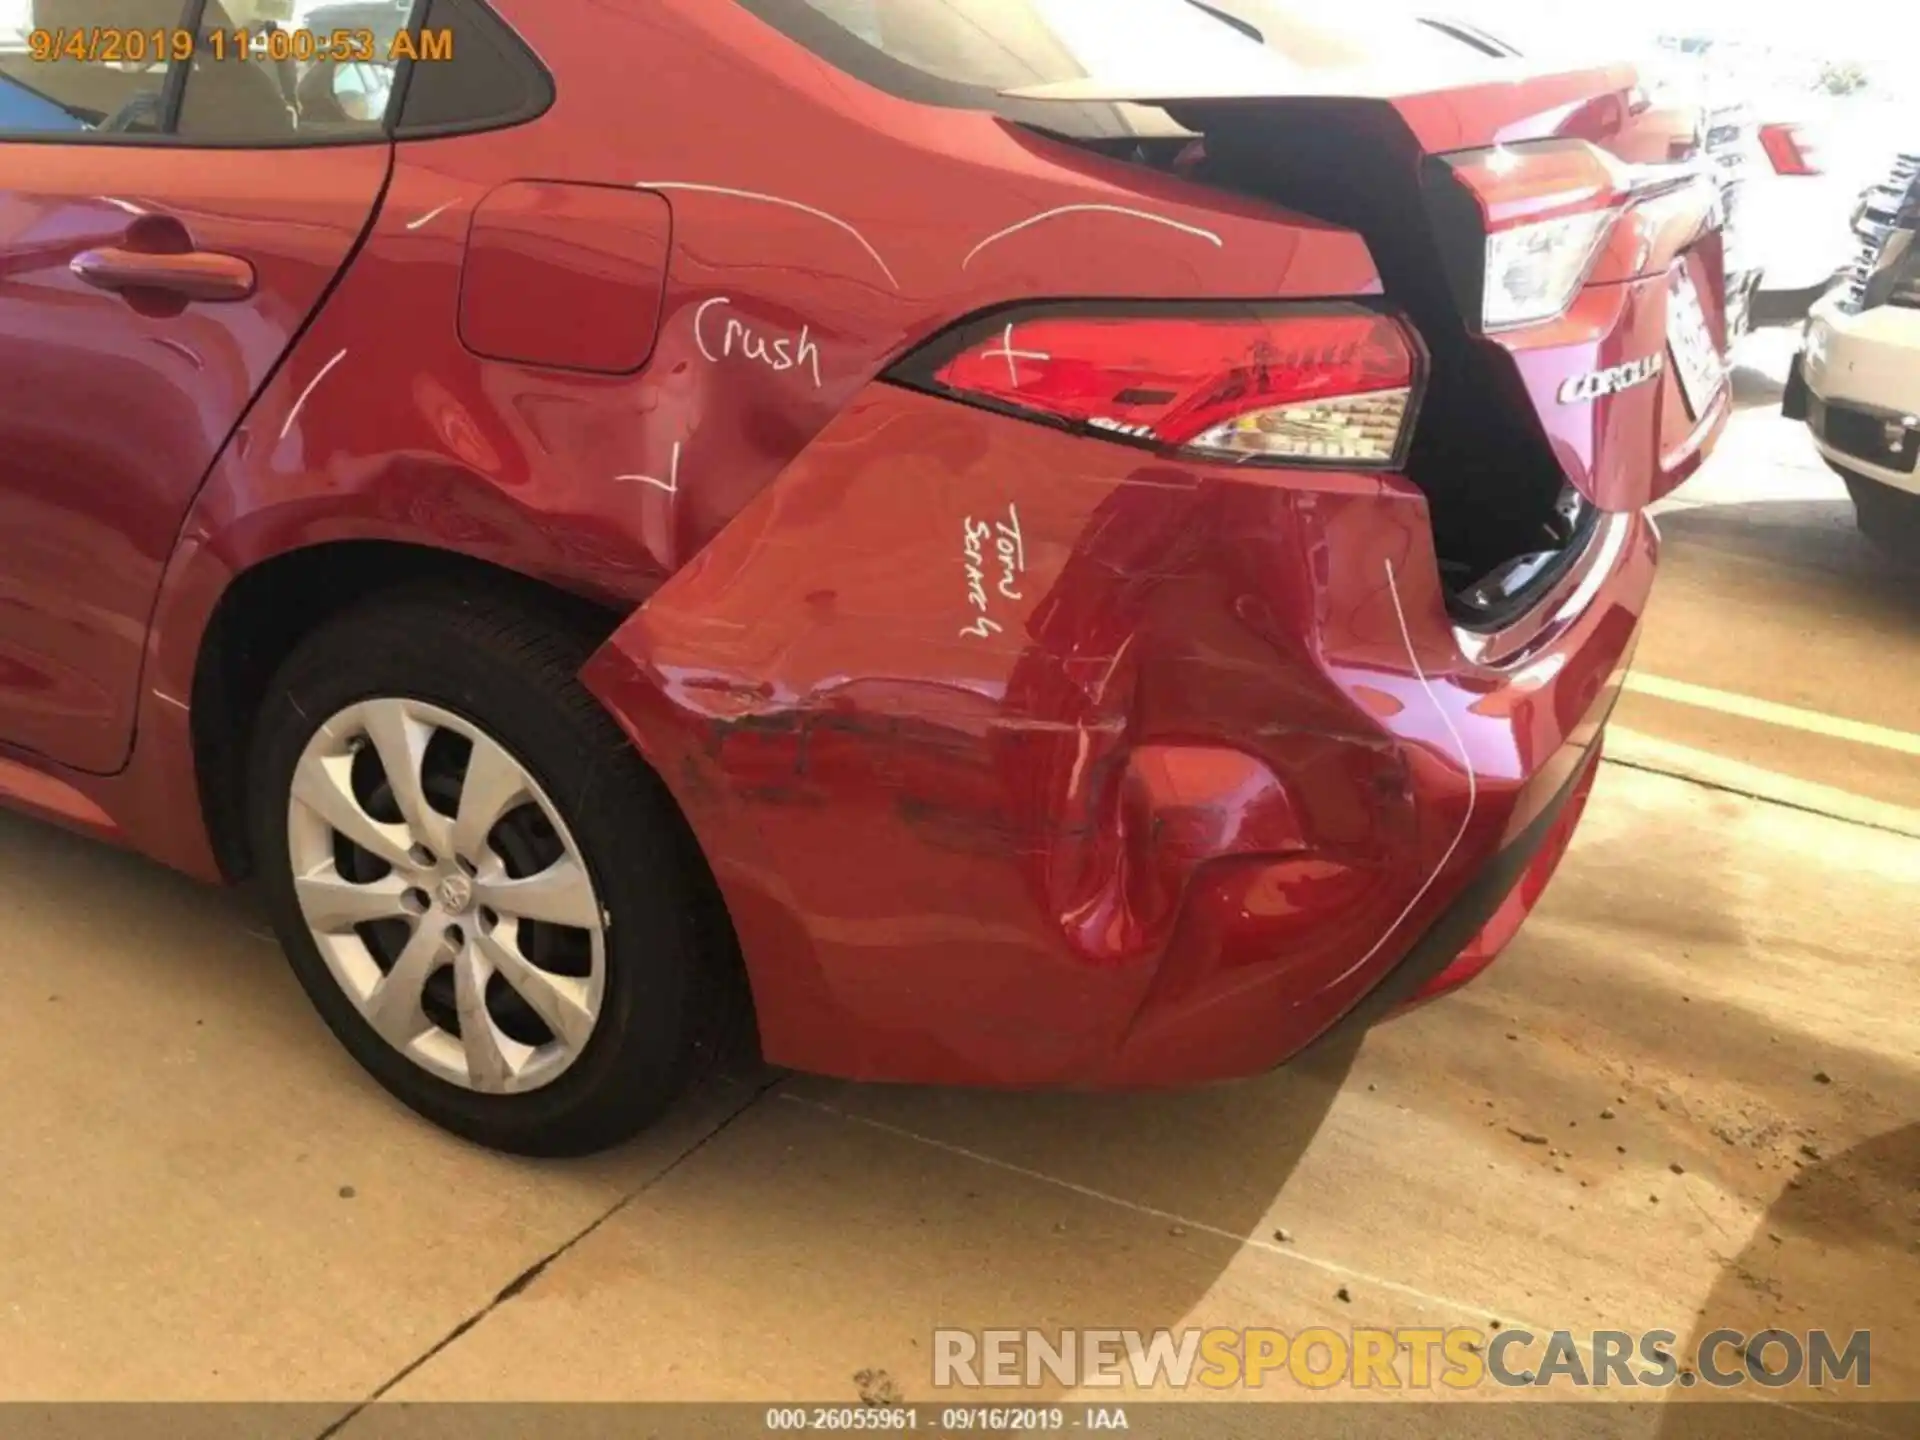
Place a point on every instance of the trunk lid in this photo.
(1477, 102)
(1606, 403)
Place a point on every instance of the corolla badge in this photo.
(1612, 380)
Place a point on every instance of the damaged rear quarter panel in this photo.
(1185, 750)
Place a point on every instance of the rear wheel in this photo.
(476, 880)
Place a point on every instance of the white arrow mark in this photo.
(671, 484)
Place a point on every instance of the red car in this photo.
(1066, 541)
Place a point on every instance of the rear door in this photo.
(167, 227)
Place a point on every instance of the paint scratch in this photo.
(764, 199)
(431, 216)
(307, 394)
(1044, 215)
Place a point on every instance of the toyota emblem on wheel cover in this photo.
(456, 894)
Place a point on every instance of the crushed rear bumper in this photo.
(1485, 916)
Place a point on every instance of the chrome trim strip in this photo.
(1564, 603)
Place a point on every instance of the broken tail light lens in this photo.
(1315, 385)
(1546, 211)
(1787, 150)
(1534, 271)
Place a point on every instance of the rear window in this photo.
(1402, 34)
(964, 52)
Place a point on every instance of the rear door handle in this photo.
(196, 275)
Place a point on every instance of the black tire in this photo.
(510, 669)
(1888, 517)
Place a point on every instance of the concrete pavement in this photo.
(1623, 1125)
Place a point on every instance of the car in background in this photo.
(385, 20)
(1856, 381)
(1061, 542)
(360, 89)
(1795, 216)
(23, 106)
(1723, 140)
(1786, 237)
(1800, 144)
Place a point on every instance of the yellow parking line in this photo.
(1682, 762)
(1789, 716)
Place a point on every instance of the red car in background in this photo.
(1066, 541)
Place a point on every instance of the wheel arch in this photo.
(266, 609)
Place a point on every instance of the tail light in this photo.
(1322, 384)
(1546, 209)
(1787, 150)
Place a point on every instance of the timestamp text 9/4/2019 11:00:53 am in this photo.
(120, 45)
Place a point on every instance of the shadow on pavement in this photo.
(1753, 387)
(1836, 1252)
(1817, 535)
(1122, 1211)
(1758, 366)
(1218, 1154)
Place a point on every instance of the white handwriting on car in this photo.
(1122, 210)
(762, 199)
(994, 550)
(776, 352)
(1013, 356)
(671, 484)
